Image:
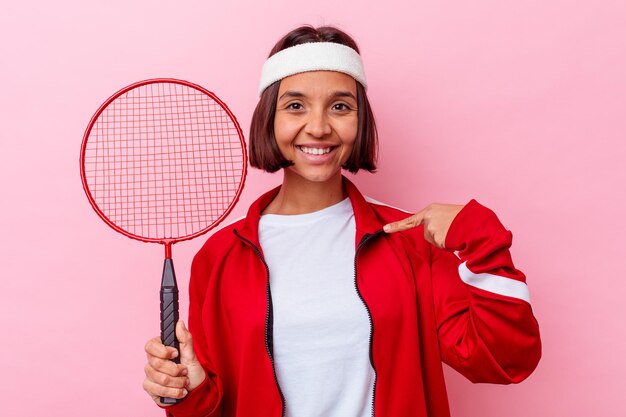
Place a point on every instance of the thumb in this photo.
(187, 354)
(195, 372)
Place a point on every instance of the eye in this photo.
(294, 106)
(341, 107)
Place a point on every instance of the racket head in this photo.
(163, 160)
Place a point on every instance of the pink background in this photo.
(520, 104)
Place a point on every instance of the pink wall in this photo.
(520, 104)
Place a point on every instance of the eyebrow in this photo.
(344, 94)
(291, 94)
(297, 94)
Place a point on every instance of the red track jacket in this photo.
(426, 305)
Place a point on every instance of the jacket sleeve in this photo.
(205, 400)
(485, 323)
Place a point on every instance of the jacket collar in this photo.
(367, 223)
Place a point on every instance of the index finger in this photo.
(156, 348)
(405, 224)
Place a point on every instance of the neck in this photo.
(300, 196)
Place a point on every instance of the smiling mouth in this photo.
(316, 151)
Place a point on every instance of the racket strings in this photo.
(164, 161)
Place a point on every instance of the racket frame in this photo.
(168, 242)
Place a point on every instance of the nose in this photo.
(318, 124)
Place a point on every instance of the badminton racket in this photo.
(163, 161)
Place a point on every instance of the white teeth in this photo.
(315, 151)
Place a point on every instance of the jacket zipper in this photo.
(268, 318)
(269, 314)
(366, 237)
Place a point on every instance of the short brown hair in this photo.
(264, 152)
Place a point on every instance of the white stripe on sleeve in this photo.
(495, 284)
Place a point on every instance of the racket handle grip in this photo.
(169, 314)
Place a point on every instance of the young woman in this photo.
(322, 302)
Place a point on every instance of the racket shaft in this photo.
(169, 313)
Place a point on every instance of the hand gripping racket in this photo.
(163, 161)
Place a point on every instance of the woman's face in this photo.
(316, 123)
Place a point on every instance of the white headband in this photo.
(314, 56)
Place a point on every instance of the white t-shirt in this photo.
(321, 326)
